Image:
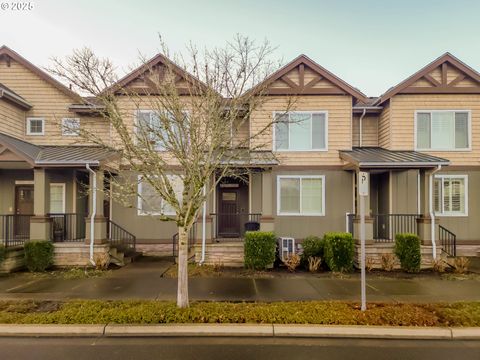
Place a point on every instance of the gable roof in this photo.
(438, 87)
(301, 62)
(158, 59)
(66, 156)
(8, 53)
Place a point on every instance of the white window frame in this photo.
(311, 112)
(469, 128)
(66, 131)
(140, 211)
(62, 185)
(452, 213)
(28, 126)
(158, 147)
(300, 177)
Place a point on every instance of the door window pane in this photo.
(57, 198)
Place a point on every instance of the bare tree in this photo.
(187, 144)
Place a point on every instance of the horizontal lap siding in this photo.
(369, 131)
(339, 109)
(48, 102)
(403, 109)
(12, 120)
(384, 132)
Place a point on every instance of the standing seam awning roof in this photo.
(68, 156)
(377, 157)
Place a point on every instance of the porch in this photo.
(400, 200)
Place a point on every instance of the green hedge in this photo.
(339, 251)
(407, 249)
(38, 255)
(312, 246)
(259, 249)
(3, 253)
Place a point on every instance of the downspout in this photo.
(360, 141)
(93, 213)
(204, 221)
(430, 208)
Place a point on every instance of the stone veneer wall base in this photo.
(14, 260)
(224, 254)
(76, 254)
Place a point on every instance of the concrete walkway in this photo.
(142, 280)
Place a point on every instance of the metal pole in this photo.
(362, 252)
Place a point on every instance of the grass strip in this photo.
(313, 312)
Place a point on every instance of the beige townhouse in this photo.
(419, 142)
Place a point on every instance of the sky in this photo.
(371, 44)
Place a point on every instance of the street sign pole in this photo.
(363, 188)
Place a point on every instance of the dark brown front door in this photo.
(23, 206)
(228, 219)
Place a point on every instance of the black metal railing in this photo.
(448, 241)
(120, 238)
(14, 229)
(387, 226)
(68, 227)
(191, 240)
(232, 225)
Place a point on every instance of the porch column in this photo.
(41, 223)
(267, 220)
(100, 235)
(424, 221)
(368, 215)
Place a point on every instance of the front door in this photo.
(228, 219)
(23, 206)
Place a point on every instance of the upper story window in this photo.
(151, 203)
(70, 126)
(35, 126)
(301, 131)
(150, 126)
(443, 130)
(301, 195)
(450, 195)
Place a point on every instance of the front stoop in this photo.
(14, 260)
(228, 254)
(375, 252)
(77, 254)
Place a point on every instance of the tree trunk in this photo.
(182, 287)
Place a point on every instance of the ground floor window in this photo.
(450, 194)
(301, 195)
(151, 203)
(57, 198)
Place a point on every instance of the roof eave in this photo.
(17, 100)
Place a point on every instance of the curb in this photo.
(240, 330)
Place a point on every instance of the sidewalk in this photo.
(143, 281)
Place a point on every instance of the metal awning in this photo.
(55, 156)
(380, 158)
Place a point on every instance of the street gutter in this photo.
(241, 330)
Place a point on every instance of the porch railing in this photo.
(14, 229)
(121, 238)
(387, 226)
(191, 240)
(69, 227)
(232, 225)
(448, 241)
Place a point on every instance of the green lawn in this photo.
(314, 312)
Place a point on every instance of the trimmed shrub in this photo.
(407, 249)
(259, 249)
(339, 251)
(38, 255)
(313, 246)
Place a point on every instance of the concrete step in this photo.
(117, 257)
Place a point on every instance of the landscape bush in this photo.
(313, 246)
(339, 251)
(407, 249)
(259, 249)
(38, 255)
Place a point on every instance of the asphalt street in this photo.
(234, 348)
